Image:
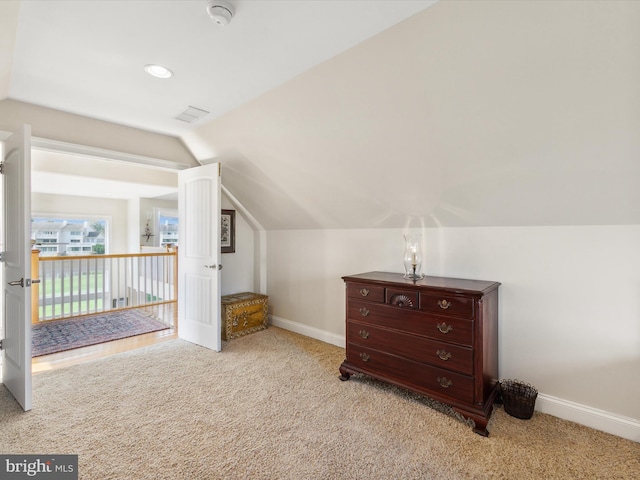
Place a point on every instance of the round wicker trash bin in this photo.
(519, 398)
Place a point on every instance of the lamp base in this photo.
(414, 276)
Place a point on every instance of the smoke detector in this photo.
(220, 12)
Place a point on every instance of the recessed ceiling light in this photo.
(158, 71)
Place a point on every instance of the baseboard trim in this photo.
(307, 331)
(618, 425)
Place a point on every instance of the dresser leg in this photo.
(344, 374)
(481, 427)
(480, 421)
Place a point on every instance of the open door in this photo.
(16, 266)
(199, 256)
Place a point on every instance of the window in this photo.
(168, 226)
(69, 236)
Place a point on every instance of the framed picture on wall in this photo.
(228, 231)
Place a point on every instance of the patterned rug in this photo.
(60, 335)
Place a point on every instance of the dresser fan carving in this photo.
(400, 300)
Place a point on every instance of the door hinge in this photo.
(0, 344)
(1, 257)
(1, 168)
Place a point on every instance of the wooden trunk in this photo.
(243, 313)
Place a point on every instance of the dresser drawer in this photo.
(447, 305)
(444, 329)
(410, 373)
(420, 349)
(372, 293)
(402, 298)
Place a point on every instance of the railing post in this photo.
(175, 272)
(175, 286)
(35, 287)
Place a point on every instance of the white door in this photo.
(16, 224)
(199, 256)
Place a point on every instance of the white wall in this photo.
(569, 300)
(133, 225)
(238, 268)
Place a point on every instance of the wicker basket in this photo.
(519, 398)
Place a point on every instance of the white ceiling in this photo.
(63, 184)
(88, 57)
(66, 174)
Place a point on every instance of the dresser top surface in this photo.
(455, 284)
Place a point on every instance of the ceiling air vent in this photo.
(191, 114)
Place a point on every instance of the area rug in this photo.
(60, 335)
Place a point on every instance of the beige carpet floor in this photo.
(270, 406)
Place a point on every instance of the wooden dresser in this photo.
(243, 313)
(436, 336)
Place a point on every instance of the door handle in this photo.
(24, 283)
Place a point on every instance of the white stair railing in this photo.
(72, 286)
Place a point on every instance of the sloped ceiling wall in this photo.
(467, 114)
(8, 26)
(78, 132)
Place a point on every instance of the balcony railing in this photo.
(72, 286)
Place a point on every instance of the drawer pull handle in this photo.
(364, 357)
(444, 328)
(443, 355)
(444, 382)
(443, 304)
(363, 334)
(364, 312)
(364, 292)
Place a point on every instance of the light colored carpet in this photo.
(270, 406)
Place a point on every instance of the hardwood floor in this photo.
(79, 355)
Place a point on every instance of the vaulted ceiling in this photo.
(465, 113)
(88, 57)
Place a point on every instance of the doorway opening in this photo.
(96, 267)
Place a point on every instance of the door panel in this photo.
(16, 224)
(199, 256)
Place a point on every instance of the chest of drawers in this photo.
(437, 337)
